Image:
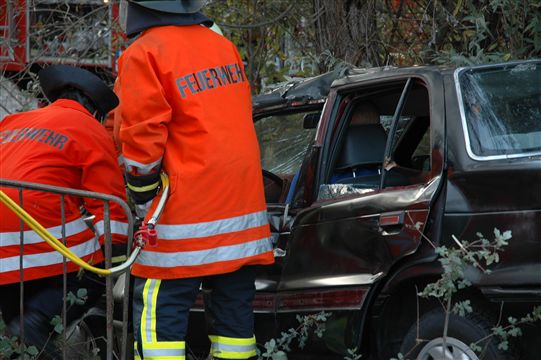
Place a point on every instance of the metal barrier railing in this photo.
(110, 322)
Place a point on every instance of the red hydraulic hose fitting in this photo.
(147, 234)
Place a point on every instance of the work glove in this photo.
(143, 189)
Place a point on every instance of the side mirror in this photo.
(310, 120)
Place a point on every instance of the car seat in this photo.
(361, 157)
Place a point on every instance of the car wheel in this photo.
(462, 331)
(80, 343)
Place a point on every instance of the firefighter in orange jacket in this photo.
(61, 144)
(185, 108)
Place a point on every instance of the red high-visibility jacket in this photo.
(61, 145)
(185, 105)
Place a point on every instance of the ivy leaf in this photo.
(280, 355)
(57, 324)
(32, 351)
(504, 345)
(476, 347)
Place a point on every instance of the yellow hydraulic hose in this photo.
(48, 237)
(65, 251)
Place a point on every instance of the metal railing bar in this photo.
(125, 315)
(64, 279)
(106, 198)
(108, 279)
(75, 192)
(21, 273)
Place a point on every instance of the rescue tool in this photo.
(146, 235)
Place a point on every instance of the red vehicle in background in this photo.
(79, 32)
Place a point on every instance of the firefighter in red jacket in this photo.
(185, 108)
(61, 144)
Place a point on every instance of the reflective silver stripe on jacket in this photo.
(30, 237)
(211, 228)
(49, 258)
(117, 227)
(201, 257)
(159, 353)
(141, 168)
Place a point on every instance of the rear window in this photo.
(501, 109)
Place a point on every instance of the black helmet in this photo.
(138, 16)
(172, 6)
(55, 79)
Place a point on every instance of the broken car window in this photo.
(502, 109)
(283, 142)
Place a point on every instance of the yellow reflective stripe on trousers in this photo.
(164, 350)
(136, 355)
(148, 315)
(232, 348)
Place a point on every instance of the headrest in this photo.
(364, 144)
(55, 78)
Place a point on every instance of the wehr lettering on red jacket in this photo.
(211, 78)
(46, 136)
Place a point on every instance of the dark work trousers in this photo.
(42, 302)
(161, 309)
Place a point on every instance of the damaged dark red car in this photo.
(365, 175)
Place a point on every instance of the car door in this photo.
(370, 207)
(284, 136)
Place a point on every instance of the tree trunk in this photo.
(347, 29)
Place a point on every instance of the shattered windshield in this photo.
(283, 142)
(502, 109)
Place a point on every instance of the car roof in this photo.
(299, 91)
(357, 75)
(315, 89)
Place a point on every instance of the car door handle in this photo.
(391, 223)
(391, 219)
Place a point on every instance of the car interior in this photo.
(360, 148)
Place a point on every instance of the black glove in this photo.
(143, 188)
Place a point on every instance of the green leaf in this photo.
(82, 293)
(515, 332)
(56, 321)
(476, 347)
(32, 350)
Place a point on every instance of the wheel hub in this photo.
(454, 350)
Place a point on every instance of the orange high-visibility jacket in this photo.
(61, 145)
(185, 105)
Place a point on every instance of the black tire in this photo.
(462, 332)
(80, 342)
